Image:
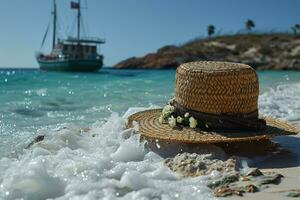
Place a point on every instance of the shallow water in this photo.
(103, 161)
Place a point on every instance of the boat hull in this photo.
(71, 65)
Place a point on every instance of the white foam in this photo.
(96, 164)
(129, 150)
(282, 102)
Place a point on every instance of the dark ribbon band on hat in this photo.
(249, 121)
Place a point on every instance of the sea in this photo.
(86, 153)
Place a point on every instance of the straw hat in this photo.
(214, 102)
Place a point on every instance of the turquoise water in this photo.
(60, 104)
(33, 100)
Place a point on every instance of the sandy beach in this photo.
(285, 163)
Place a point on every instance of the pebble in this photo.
(36, 140)
(271, 179)
(254, 172)
(223, 191)
(293, 194)
(225, 180)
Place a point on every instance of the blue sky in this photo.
(133, 27)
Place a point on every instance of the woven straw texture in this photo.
(151, 129)
(217, 87)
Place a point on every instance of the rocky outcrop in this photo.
(261, 51)
(194, 164)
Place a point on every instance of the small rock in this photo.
(251, 188)
(226, 190)
(194, 164)
(223, 191)
(244, 178)
(293, 194)
(39, 138)
(254, 172)
(225, 180)
(272, 179)
(36, 140)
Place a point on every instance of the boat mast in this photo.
(78, 21)
(54, 23)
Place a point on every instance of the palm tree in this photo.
(295, 28)
(249, 25)
(210, 30)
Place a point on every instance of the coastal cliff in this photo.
(261, 51)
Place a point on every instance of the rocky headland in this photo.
(261, 51)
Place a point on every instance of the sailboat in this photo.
(74, 53)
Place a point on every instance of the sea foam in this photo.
(282, 102)
(100, 163)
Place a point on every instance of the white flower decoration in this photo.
(179, 119)
(168, 109)
(193, 122)
(186, 115)
(172, 121)
(161, 119)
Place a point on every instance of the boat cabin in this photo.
(72, 48)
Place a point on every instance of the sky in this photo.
(132, 27)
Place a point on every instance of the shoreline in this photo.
(286, 163)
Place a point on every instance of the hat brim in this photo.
(150, 128)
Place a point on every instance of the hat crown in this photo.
(217, 87)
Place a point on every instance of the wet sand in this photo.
(285, 162)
